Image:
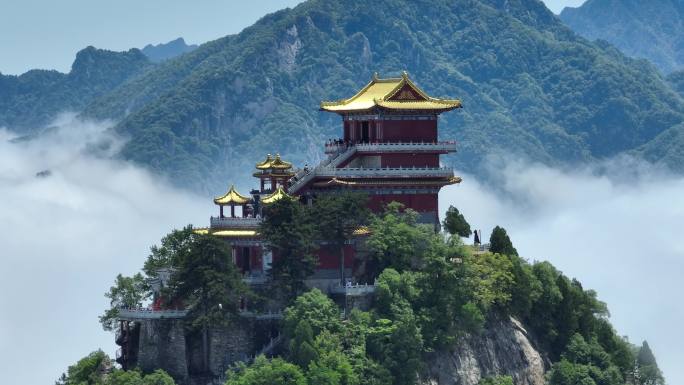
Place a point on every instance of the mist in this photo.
(615, 226)
(65, 235)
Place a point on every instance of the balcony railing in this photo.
(239, 222)
(255, 279)
(303, 176)
(385, 172)
(449, 146)
(270, 315)
(444, 147)
(133, 314)
(352, 289)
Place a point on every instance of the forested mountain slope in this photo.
(530, 87)
(33, 99)
(652, 29)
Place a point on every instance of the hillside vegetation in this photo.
(652, 29)
(432, 292)
(31, 100)
(530, 86)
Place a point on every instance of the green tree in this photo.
(397, 344)
(496, 380)
(456, 224)
(97, 369)
(491, 279)
(337, 217)
(208, 284)
(268, 372)
(317, 309)
(126, 292)
(648, 371)
(331, 366)
(87, 371)
(289, 233)
(302, 351)
(396, 240)
(167, 255)
(499, 242)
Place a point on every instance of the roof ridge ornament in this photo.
(375, 76)
(404, 75)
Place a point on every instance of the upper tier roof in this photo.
(394, 94)
(232, 196)
(274, 163)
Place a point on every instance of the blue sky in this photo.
(47, 34)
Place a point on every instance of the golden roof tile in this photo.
(274, 163)
(392, 93)
(276, 196)
(233, 197)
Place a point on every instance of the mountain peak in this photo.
(164, 51)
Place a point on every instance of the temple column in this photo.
(232, 211)
(221, 211)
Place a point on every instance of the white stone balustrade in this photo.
(239, 222)
(390, 172)
(132, 314)
(352, 289)
(444, 146)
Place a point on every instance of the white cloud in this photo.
(617, 234)
(63, 239)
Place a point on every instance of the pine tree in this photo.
(455, 223)
(649, 373)
(499, 242)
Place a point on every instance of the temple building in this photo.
(388, 149)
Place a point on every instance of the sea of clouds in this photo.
(615, 226)
(64, 237)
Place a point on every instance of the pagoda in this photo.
(389, 148)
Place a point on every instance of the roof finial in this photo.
(375, 76)
(404, 75)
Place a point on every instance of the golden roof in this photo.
(276, 196)
(392, 93)
(360, 231)
(274, 163)
(231, 196)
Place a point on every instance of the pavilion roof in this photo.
(274, 163)
(232, 196)
(275, 196)
(392, 93)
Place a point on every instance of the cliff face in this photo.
(503, 348)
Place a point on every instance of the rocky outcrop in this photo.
(503, 348)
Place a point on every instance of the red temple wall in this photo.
(410, 160)
(409, 131)
(418, 202)
(327, 259)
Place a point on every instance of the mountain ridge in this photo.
(652, 30)
(531, 87)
